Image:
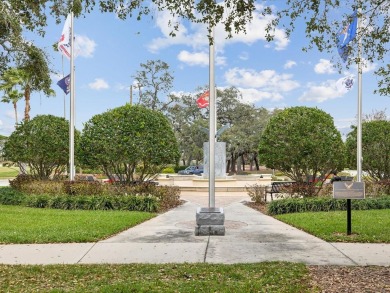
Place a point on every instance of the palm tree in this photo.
(13, 96)
(31, 74)
(10, 80)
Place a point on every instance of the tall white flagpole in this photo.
(359, 103)
(212, 127)
(72, 104)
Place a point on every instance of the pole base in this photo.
(210, 221)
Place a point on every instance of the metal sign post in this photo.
(348, 190)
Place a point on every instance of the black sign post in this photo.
(349, 220)
(348, 190)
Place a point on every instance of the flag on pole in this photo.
(64, 42)
(64, 84)
(203, 100)
(346, 35)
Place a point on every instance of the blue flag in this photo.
(346, 35)
(65, 84)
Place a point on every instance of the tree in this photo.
(246, 122)
(155, 79)
(11, 94)
(375, 148)
(303, 143)
(189, 124)
(31, 74)
(128, 139)
(3, 139)
(42, 143)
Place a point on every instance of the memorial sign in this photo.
(348, 190)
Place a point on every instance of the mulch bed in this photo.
(350, 278)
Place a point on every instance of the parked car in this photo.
(198, 171)
(187, 171)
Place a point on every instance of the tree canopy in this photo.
(303, 143)
(128, 139)
(155, 79)
(42, 143)
(375, 148)
(242, 137)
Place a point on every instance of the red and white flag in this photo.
(203, 100)
(64, 43)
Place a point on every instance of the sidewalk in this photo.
(169, 238)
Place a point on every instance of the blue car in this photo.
(198, 171)
(187, 171)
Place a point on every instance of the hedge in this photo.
(9, 196)
(325, 204)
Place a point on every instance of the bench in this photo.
(277, 187)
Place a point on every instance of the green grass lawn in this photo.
(367, 226)
(8, 172)
(30, 225)
(261, 277)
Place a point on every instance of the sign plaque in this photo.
(348, 190)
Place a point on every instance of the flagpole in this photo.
(212, 115)
(359, 104)
(72, 104)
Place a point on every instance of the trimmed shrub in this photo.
(71, 202)
(144, 196)
(83, 188)
(11, 196)
(21, 181)
(325, 204)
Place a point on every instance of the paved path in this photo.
(169, 238)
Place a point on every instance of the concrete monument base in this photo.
(210, 221)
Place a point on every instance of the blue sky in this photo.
(271, 75)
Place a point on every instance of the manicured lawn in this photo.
(6, 172)
(30, 225)
(367, 225)
(261, 277)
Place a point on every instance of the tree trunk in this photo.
(256, 162)
(233, 164)
(239, 164)
(228, 166)
(243, 162)
(27, 93)
(16, 112)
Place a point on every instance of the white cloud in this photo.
(200, 58)
(267, 79)
(324, 67)
(328, 90)
(99, 84)
(257, 86)
(84, 46)
(289, 64)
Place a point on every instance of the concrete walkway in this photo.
(169, 238)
